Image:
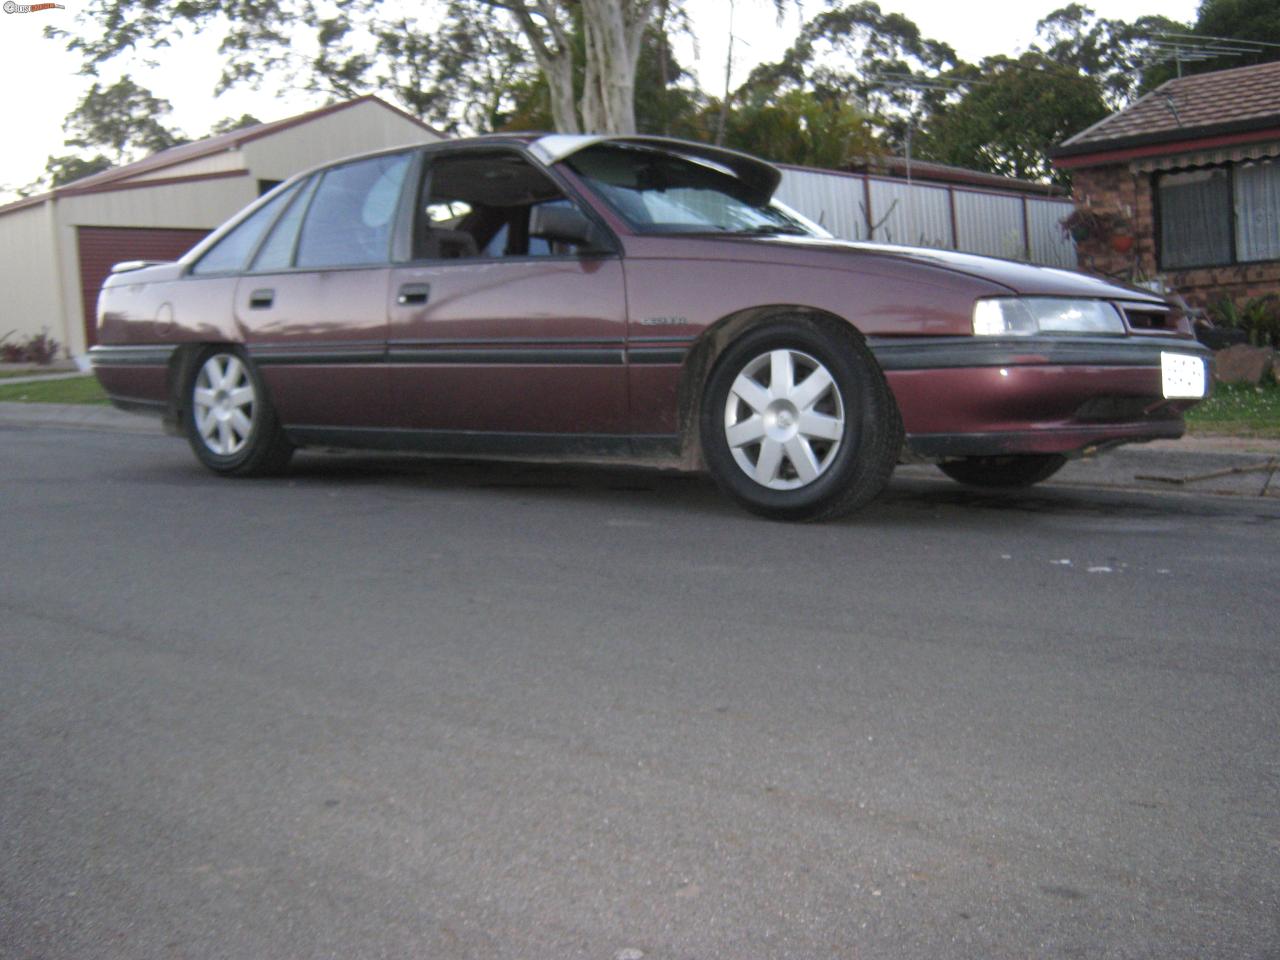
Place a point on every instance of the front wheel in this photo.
(228, 419)
(797, 422)
(1009, 473)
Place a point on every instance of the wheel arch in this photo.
(182, 366)
(711, 343)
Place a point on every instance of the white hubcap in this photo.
(223, 403)
(784, 419)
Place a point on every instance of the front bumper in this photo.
(978, 396)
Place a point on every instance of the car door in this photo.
(313, 303)
(497, 332)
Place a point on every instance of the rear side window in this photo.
(277, 252)
(231, 253)
(350, 218)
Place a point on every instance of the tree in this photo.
(803, 128)
(123, 119)
(1243, 20)
(59, 171)
(456, 68)
(862, 55)
(1116, 54)
(229, 124)
(1257, 20)
(1009, 119)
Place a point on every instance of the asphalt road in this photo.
(392, 708)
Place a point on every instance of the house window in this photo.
(1258, 210)
(1220, 215)
(1195, 218)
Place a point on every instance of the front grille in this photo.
(1146, 318)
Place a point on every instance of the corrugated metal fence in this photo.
(857, 206)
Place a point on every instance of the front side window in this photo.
(660, 192)
(350, 219)
(230, 254)
(479, 205)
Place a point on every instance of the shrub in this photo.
(39, 348)
(1259, 317)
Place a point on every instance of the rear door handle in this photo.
(412, 293)
(261, 299)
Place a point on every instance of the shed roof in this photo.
(209, 146)
(1186, 109)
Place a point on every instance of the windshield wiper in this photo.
(764, 230)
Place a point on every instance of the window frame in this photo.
(611, 248)
(1232, 219)
(389, 259)
(214, 240)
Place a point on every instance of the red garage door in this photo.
(102, 247)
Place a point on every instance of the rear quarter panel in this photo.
(153, 307)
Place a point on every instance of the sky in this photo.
(40, 83)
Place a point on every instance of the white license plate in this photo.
(1184, 376)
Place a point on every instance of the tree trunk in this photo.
(723, 119)
(553, 50)
(613, 30)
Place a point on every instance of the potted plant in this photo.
(1083, 224)
(1121, 233)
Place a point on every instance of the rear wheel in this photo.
(228, 419)
(1011, 472)
(797, 422)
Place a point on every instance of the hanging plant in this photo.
(1083, 224)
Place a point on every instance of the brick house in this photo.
(1191, 173)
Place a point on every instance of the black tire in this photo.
(1007, 473)
(262, 448)
(865, 428)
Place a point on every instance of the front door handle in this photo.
(261, 299)
(414, 293)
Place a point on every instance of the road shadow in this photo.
(913, 496)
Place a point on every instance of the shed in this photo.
(1190, 175)
(56, 248)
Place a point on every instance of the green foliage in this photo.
(457, 73)
(847, 53)
(55, 390)
(1259, 317)
(1007, 123)
(67, 169)
(229, 124)
(667, 102)
(123, 119)
(802, 128)
(1113, 53)
(1240, 409)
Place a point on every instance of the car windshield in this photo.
(660, 192)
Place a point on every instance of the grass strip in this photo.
(77, 390)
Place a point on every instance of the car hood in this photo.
(1022, 278)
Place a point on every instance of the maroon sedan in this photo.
(634, 296)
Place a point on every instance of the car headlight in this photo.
(1028, 316)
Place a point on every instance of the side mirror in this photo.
(563, 225)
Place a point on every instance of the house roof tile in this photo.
(1239, 99)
